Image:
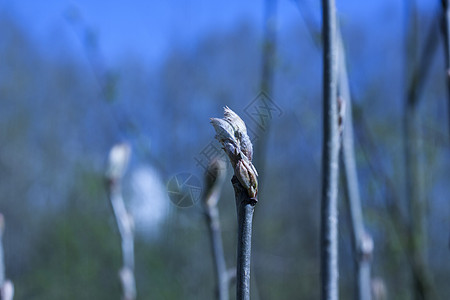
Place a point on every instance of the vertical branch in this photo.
(6, 286)
(362, 243)
(118, 161)
(245, 208)
(232, 134)
(446, 30)
(417, 239)
(267, 73)
(214, 178)
(330, 156)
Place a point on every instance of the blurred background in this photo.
(77, 77)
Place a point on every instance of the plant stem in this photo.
(124, 224)
(266, 84)
(118, 161)
(245, 208)
(6, 286)
(362, 243)
(231, 132)
(222, 278)
(330, 157)
(412, 147)
(446, 7)
(214, 178)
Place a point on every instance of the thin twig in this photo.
(417, 238)
(6, 286)
(118, 161)
(330, 156)
(362, 243)
(232, 134)
(214, 178)
(266, 85)
(446, 31)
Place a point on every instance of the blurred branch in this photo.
(313, 28)
(214, 178)
(118, 161)
(107, 82)
(446, 31)
(362, 242)
(232, 134)
(267, 74)
(6, 286)
(330, 155)
(422, 281)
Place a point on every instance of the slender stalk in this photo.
(118, 161)
(214, 179)
(266, 85)
(417, 239)
(6, 286)
(245, 208)
(330, 157)
(2, 255)
(362, 243)
(446, 27)
(232, 133)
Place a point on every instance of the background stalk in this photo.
(330, 157)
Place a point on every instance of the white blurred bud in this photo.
(118, 160)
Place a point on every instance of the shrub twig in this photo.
(118, 161)
(362, 242)
(232, 134)
(214, 178)
(6, 286)
(330, 156)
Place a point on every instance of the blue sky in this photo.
(149, 28)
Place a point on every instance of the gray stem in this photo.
(361, 242)
(222, 277)
(245, 208)
(124, 223)
(446, 7)
(330, 157)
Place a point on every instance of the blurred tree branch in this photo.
(362, 242)
(118, 161)
(446, 32)
(214, 178)
(417, 223)
(6, 286)
(267, 75)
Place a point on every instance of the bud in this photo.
(214, 178)
(232, 134)
(118, 161)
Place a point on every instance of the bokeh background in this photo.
(77, 77)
